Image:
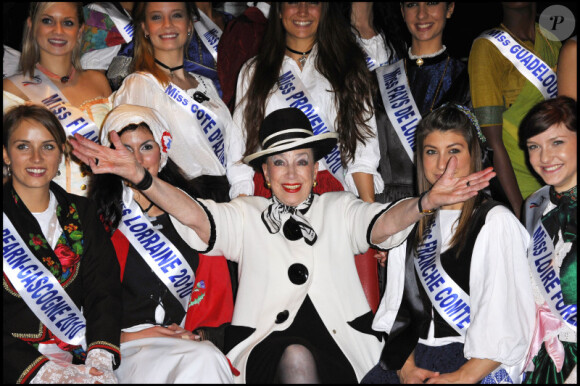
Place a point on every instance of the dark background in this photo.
(468, 21)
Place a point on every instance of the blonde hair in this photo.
(143, 55)
(30, 52)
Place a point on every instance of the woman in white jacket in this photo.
(300, 313)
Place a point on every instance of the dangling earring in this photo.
(314, 184)
(268, 185)
(188, 33)
(8, 170)
(58, 172)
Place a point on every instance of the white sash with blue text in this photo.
(399, 104)
(122, 22)
(40, 89)
(292, 93)
(211, 126)
(40, 290)
(157, 251)
(540, 259)
(447, 297)
(527, 63)
(209, 33)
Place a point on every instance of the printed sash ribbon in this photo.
(122, 22)
(41, 89)
(291, 92)
(157, 251)
(399, 104)
(540, 259)
(527, 63)
(40, 289)
(211, 126)
(446, 296)
(209, 33)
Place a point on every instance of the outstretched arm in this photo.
(123, 163)
(448, 190)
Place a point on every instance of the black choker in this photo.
(171, 69)
(302, 59)
(149, 207)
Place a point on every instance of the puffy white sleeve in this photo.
(137, 89)
(226, 226)
(242, 179)
(502, 304)
(240, 175)
(367, 157)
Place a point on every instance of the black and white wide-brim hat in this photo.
(289, 129)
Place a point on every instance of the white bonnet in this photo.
(124, 115)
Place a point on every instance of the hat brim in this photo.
(321, 144)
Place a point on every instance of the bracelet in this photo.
(145, 183)
(421, 210)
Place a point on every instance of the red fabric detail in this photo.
(109, 348)
(235, 371)
(217, 305)
(240, 41)
(114, 38)
(33, 369)
(121, 244)
(367, 268)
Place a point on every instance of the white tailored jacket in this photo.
(342, 223)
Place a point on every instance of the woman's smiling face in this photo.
(553, 156)
(291, 175)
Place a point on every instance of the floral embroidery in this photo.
(69, 248)
(37, 241)
(71, 227)
(53, 266)
(197, 298)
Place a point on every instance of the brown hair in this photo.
(340, 60)
(30, 52)
(545, 114)
(448, 118)
(17, 114)
(143, 54)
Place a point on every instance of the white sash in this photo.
(159, 253)
(527, 63)
(540, 259)
(122, 22)
(40, 290)
(41, 89)
(399, 104)
(211, 126)
(447, 297)
(209, 33)
(292, 93)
